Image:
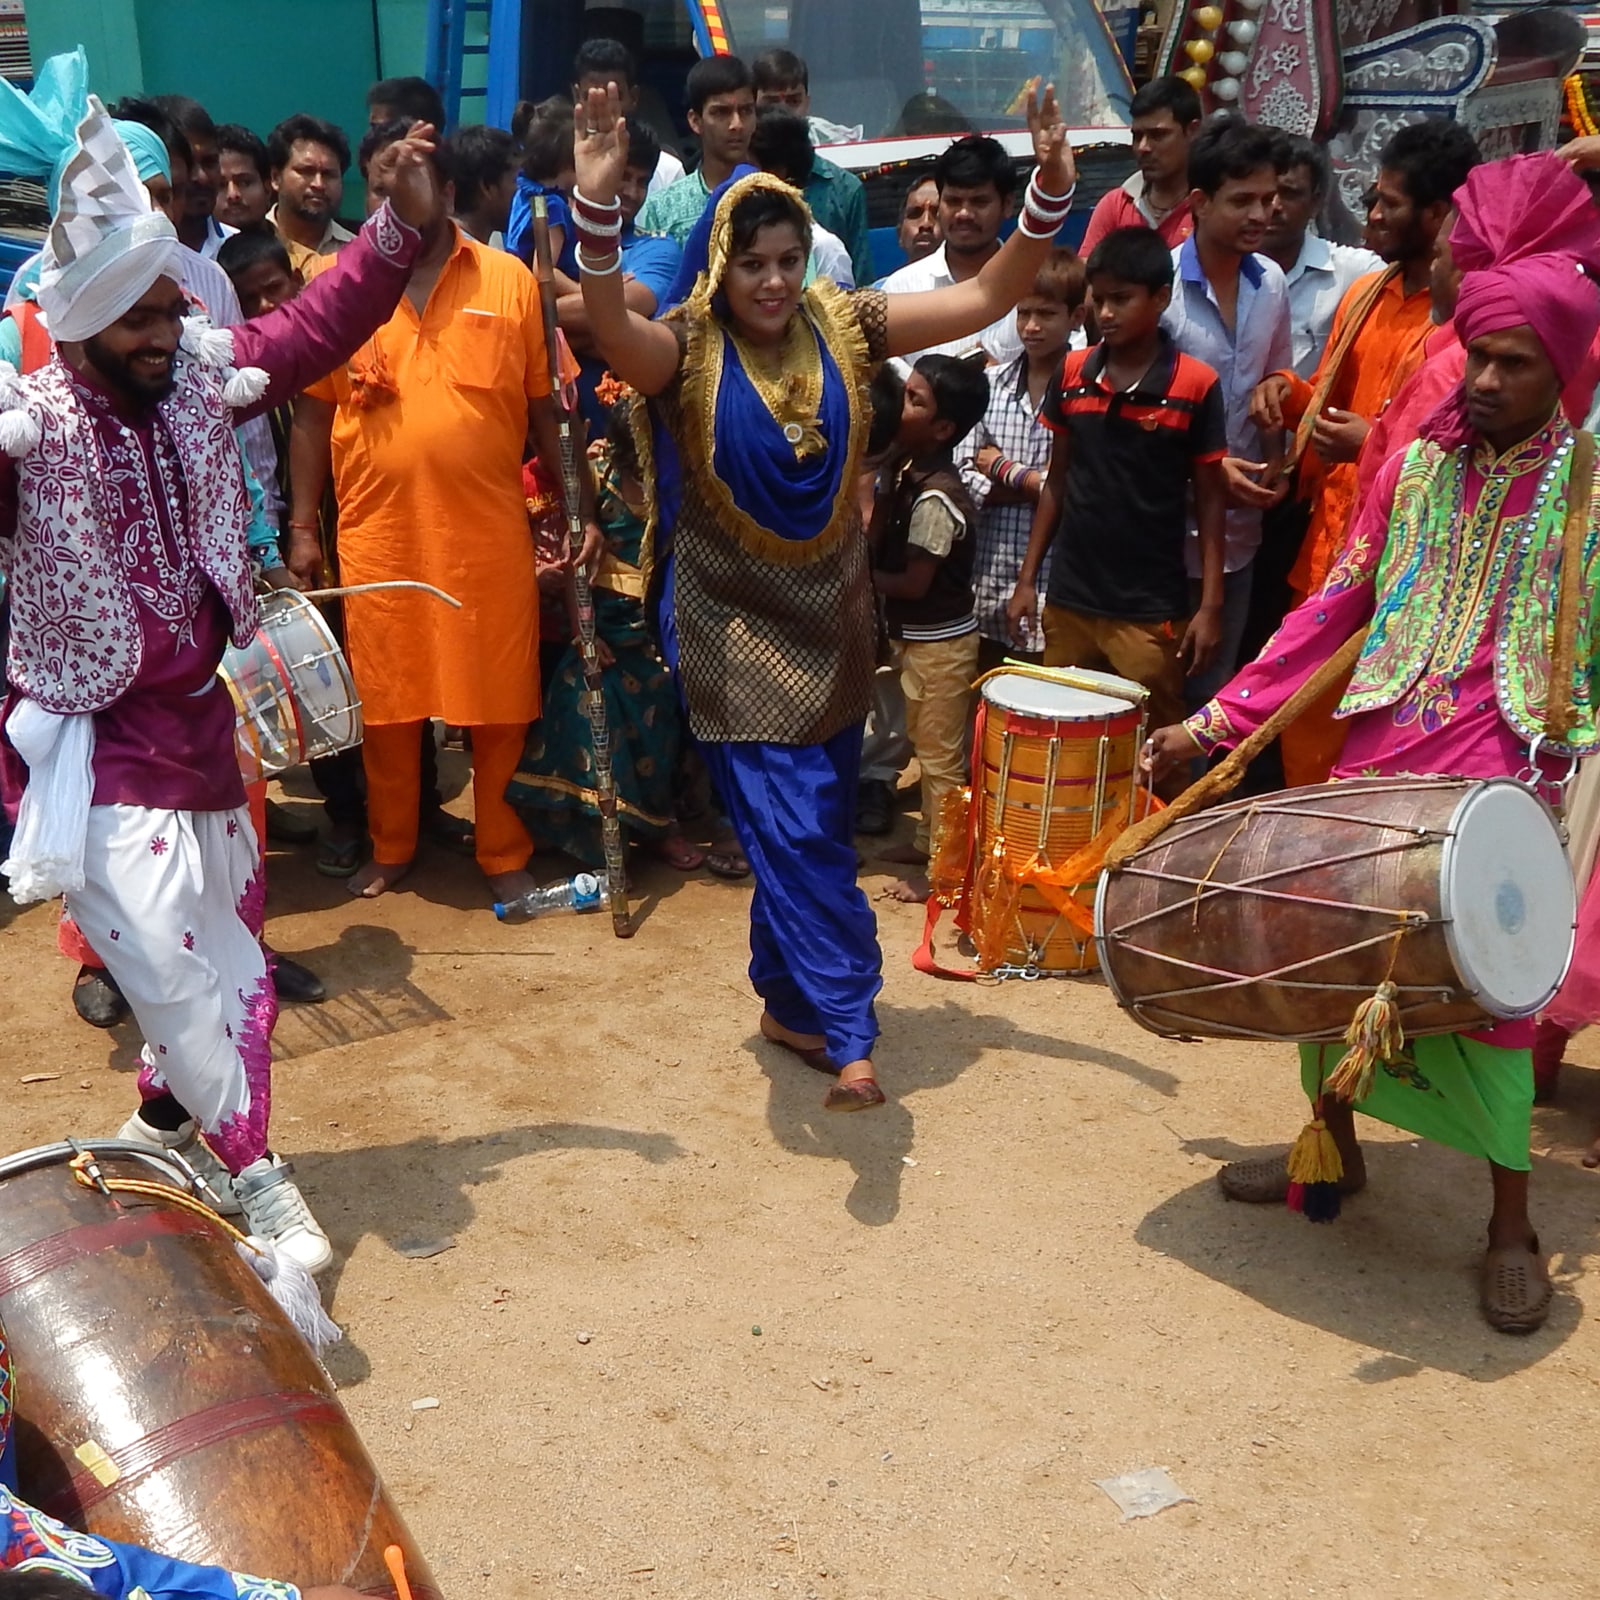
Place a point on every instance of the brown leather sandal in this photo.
(1265, 1181)
(1516, 1289)
(860, 1094)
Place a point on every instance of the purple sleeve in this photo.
(333, 316)
(1309, 634)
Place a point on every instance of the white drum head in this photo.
(1060, 702)
(1508, 899)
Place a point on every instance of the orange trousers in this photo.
(391, 753)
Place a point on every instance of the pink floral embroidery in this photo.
(253, 903)
(158, 846)
(242, 1137)
(233, 827)
(188, 940)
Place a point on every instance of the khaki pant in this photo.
(936, 677)
(1146, 652)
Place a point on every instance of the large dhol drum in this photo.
(292, 690)
(1275, 918)
(163, 1397)
(1056, 761)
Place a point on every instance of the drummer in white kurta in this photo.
(1453, 559)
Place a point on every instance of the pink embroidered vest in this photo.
(76, 643)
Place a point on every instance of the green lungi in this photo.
(1454, 1090)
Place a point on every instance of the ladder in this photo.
(474, 49)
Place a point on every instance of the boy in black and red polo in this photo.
(1137, 426)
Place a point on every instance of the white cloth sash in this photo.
(46, 857)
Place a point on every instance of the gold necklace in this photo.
(789, 383)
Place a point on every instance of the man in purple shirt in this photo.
(123, 516)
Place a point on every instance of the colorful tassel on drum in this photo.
(1375, 1034)
(1315, 1168)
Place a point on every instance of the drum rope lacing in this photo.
(87, 1171)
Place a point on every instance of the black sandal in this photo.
(728, 864)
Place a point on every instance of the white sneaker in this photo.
(186, 1142)
(276, 1210)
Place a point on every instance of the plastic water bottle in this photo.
(582, 892)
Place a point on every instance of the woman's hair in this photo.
(761, 210)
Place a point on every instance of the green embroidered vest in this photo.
(1439, 564)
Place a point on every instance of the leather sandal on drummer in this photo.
(1516, 1289)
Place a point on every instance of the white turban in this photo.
(107, 246)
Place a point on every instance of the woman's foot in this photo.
(678, 853)
(377, 878)
(856, 1090)
(912, 891)
(726, 860)
(812, 1048)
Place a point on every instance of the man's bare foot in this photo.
(912, 891)
(508, 886)
(376, 878)
(903, 855)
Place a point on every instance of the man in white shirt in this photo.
(976, 180)
(1317, 271)
(603, 61)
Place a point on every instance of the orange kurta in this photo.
(427, 458)
(1384, 354)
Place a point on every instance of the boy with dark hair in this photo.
(306, 158)
(413, 99)
(262, 275)
(483, 167)
(1012, 448)
(837, 198)
(976, 180)
(1135, 422)
(1230, 309)
(722, 114)
(1164, 117)
(603, 61)
(244, 192)
(922, 566)
(781, 144)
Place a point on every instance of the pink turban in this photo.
(1526, 230)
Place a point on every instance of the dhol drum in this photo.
(164, 1398)
(1058, 757)
(1275, 918)
(292, 689)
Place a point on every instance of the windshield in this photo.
(884, 67)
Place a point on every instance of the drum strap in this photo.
(1225, 776)
(1558, 709)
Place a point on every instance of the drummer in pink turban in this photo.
(1454, 559)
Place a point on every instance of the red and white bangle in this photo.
(1043, 214)
(602, 213)
(600, 264)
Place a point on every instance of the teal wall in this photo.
(249, 61)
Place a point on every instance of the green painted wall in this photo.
(249, 61)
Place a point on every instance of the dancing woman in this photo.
(751, 431)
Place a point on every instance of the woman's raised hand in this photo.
(599, 143)
(1052, 149)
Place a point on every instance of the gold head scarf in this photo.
(719, 248)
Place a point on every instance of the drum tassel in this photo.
(1315, 1168)
(1375, 1034)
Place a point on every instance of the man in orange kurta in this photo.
(427, 426)
(1421, 167)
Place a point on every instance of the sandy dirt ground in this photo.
(694, 1337)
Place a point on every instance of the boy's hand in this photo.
(1240, 477)
(1267, 401)
(1166, 749)
(985, 459)
(1020, 610)
(1202, 639)
(1339, 435)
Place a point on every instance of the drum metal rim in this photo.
(1470, 981)
(1112, 706)
(169, 1163)
(1103, 944)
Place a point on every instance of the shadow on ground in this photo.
(1398, 1271)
